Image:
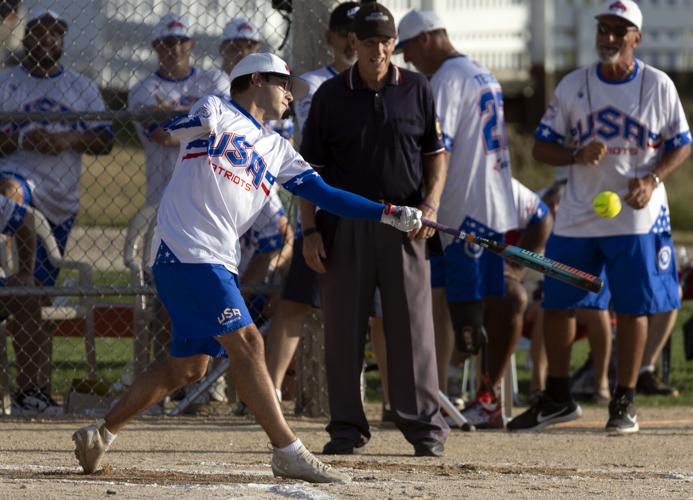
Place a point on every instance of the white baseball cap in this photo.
(241, 28)
(37, 14)
(264, 62)
(625, 9)
(171, 26)
(416, 22)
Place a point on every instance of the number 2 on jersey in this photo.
(490, 103)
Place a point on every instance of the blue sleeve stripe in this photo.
(678, 141)
(183, 121)
(15, 220)
(198, 143)
(539, 214)
(545, 133)
(300, 179)
(337, 201)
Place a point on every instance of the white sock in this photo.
(108, 436)
(647, 368)
(293, 448)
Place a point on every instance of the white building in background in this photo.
(108, 40)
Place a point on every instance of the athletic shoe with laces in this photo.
(649, 384)
(545, 412)
(302, 464)
(622, 417)
(91, 444)
(35, 402)
(485, 412)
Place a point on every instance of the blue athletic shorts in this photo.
(467, 271)
(44, 272)
(203, 301)
(640, 269)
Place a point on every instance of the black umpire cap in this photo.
(373, 19)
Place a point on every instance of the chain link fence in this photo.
(82, 98)
(85, 87)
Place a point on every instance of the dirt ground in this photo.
(225, 456)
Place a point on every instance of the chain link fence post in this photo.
(310, 52)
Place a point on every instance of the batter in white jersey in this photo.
(217, 138)
(619, 126)
(227, 167)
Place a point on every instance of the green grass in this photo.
(112, 187)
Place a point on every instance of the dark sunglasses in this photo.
(617, 31)
(280, 81)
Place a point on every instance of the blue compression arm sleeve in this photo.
(337, 201)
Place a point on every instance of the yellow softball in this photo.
(607, 204)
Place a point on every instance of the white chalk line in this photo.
(300, 491)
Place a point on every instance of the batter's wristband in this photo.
(310, 230)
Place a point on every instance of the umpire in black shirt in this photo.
(373, 130)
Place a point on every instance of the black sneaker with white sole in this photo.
(545, 412)
(622, 417)
(35, 402)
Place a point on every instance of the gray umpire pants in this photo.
(364, 254)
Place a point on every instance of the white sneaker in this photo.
(217, 391)
(302, 464)
(91, 444)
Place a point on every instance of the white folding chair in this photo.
(136, 250)
(83, 308)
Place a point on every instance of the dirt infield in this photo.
(225, 456)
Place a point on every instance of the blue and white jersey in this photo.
(315, 79)
(530, 208)
(11, 215)
(156, 90)
(265, 235)
(638, 118)
(226, 169)
(469, 102)
(53, 180)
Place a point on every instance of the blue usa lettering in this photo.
(240, 153)
(610, 123)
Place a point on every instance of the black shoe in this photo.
(622, 417)
(649, 384)
(388, 414)
(339, 446)
(545, 412)
(429, 448)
